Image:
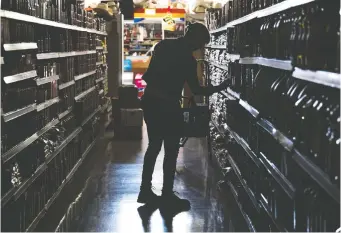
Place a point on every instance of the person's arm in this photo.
(195, 86)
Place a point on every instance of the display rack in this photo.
(276, 8)
(50, 102)
(276, 156)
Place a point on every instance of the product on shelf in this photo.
(50, 52)
(281, 112)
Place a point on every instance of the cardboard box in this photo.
(132, 117)
(127, 92)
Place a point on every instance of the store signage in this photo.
(150, 11)
(159, 13)
(169, 22)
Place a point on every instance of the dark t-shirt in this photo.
(171, 65)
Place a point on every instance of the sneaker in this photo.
(172, 199)
(147, 196)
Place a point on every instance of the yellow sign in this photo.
(169, 23)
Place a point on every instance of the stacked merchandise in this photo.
(139, 37)
(278, 126)
(128, 116)
(50, 102)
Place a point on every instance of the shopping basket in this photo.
(195, 120)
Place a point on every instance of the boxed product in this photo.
(132, 117)
(127, 92)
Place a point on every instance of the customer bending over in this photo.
(171, 66)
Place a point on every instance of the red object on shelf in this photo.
(140, 84)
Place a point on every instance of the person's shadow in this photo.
(168, 212)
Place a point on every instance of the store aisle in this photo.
(115, 185)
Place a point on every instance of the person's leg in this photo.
(153, 150)
(171, 145)
(152, 119)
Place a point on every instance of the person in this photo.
(171, 66)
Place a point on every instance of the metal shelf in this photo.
(41, 81)
(245, 216)
(81, 76)
(36, 221)
(8, 196)
(233, 93)
(320, 77)
(20, 46)
(138, 50)
(278, 135)
(282, 6)
(278, 64)
(47, 104)
(242, 181)
(17, 113)
(216, 46)
(21, 76)
(221, 29)
(99, 80)
(32, 19)
(22, 145)
(63, 114)
(65, 85)
(23, 187)
(254, 112)
(265, 206)
(84, 93)
(227, 95)
(99, 47)
(61, 187)
(317, 174)
(91, 116)
(278, 176)
(99, 63)
(44, 56)
(272, 169)
(62, 145)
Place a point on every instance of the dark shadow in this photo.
(168, 212)
(145, 213)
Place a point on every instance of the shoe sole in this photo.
(145, 201)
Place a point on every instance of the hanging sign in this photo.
(168, 22)
(160, 13)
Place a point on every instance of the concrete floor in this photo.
(110, 181)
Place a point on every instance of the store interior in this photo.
(73, 137)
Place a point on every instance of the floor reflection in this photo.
(114, 208)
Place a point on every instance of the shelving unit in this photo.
(278, 64)
(285, 5)
(45, 22)
(20, 46)
(58, 114)
(276, 156)
(20, 77)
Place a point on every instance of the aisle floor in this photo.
(114, 181)
(113, 208)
